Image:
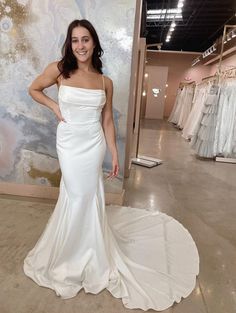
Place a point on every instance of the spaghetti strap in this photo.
(61, 79)
(103, 83)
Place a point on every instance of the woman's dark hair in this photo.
(68, 63)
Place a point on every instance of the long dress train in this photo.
(146, 258)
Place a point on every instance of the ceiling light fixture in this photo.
(195, 61)
(171, 14)
(171, 29)
(165, 17)
(231, 34)
(209, 51)
(165, 11)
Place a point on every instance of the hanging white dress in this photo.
(171, 118)
(186, 106)
(146, 258)
(175, 114)
(204, 139)
(195, 115)
(225, 139)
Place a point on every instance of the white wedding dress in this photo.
(146, 258)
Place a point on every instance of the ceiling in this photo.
(203, 22)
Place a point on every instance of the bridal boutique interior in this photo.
(186, 118)
(177, 107)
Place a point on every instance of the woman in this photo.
(85, 245)
(80, 66)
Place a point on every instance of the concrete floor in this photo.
(200, 194)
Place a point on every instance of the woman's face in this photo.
(82, 44)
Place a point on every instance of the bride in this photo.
(148, 259)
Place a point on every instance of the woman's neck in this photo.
(86, 67)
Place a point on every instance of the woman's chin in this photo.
(83, 60)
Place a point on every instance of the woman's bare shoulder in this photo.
(108, 82)
(52, 69)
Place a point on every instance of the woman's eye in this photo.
(76, 40)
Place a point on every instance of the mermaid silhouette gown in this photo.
(146, 258)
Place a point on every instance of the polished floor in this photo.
(201, 194)
(198, 193)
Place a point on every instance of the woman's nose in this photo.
(80, 45)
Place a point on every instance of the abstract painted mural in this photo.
(31, 36)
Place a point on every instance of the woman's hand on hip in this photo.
(58, 114)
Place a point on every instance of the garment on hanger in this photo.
(172, 117)
(195, 115)
(186, 106)
(225, 138)
(211, 122)
(203, 141)
(182, 106)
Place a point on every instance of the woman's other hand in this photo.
(115, 169)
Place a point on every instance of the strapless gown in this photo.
(146, 258)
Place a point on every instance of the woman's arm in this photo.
(46, 79)
(108, 127)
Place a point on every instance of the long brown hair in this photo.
(68, 63)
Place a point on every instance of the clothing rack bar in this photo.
(208, 77)
(187, 83)
(225, 160)
(230, 69)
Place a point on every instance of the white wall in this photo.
(32, 33)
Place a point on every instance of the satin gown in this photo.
(146, 258)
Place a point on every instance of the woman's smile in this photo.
(82, 44)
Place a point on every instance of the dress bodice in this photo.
(81, 105)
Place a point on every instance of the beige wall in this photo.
(179, 68)
(157, 78)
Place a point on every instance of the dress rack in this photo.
(183, 84)
(229, 73)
